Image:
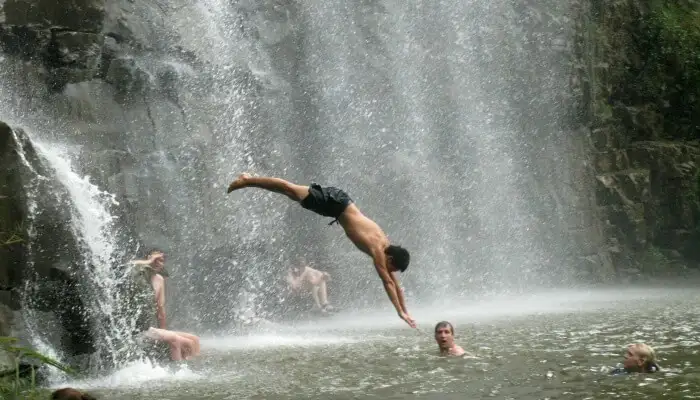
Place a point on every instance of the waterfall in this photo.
(32, 321)
(434, 116)
(94, 226)
(101, 273)
(426, 113)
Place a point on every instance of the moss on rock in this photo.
(657, 86)
(643, 60)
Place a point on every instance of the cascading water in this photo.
(102, 276)
(94, 226)
(417, 110)
(425, 112)
(31, 319)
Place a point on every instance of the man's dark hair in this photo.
(70, 394)
(153, 250)
(399, 257)
(445, 324)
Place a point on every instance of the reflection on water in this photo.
(558, 345)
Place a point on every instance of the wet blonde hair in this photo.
(646, 353)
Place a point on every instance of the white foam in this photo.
(136, 374)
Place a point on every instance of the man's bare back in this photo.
(362, 231)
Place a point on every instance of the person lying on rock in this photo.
(303, 277)
(364, 233)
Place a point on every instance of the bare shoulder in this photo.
(157, 279)
(311, 270)
(458, 351)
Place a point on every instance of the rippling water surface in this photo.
(556, 345)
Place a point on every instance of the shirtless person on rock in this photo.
(183, 345)
(362, 231)
(303, 277)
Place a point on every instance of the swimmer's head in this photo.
(297, 269)
(154, 251)
(159, 257)
(640, 357)
(444, 335)
(398, 258)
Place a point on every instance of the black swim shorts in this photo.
(327, 201)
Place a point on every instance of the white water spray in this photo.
(30, 317)
(93, 226)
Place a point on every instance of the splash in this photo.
(137, 373)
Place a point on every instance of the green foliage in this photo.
(7, 239)
(13, 385)
(13, 237)
(663, 67)
(693, 252)
(654, 263)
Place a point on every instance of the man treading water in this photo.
(639, 357)
(445, 338)
(362, 231)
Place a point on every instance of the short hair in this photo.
(400, 258)
(70, 394)
(646, 353)
(445, 324)
(153, 250)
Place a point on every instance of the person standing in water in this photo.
(364, 233)
(303, 276)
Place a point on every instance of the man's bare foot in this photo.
(238, 183)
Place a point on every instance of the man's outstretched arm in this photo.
(391, 288)
(399, 292)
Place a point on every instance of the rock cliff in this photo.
(643, 72)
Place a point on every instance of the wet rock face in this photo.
(94, 77)
(72, 15)
(55, 288)
(63, 37)
(645, 81)
(12, 209)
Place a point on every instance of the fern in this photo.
(13, 388)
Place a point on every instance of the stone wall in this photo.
(107, 77)
(11, 248)
(643, 68)
(55, 290)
